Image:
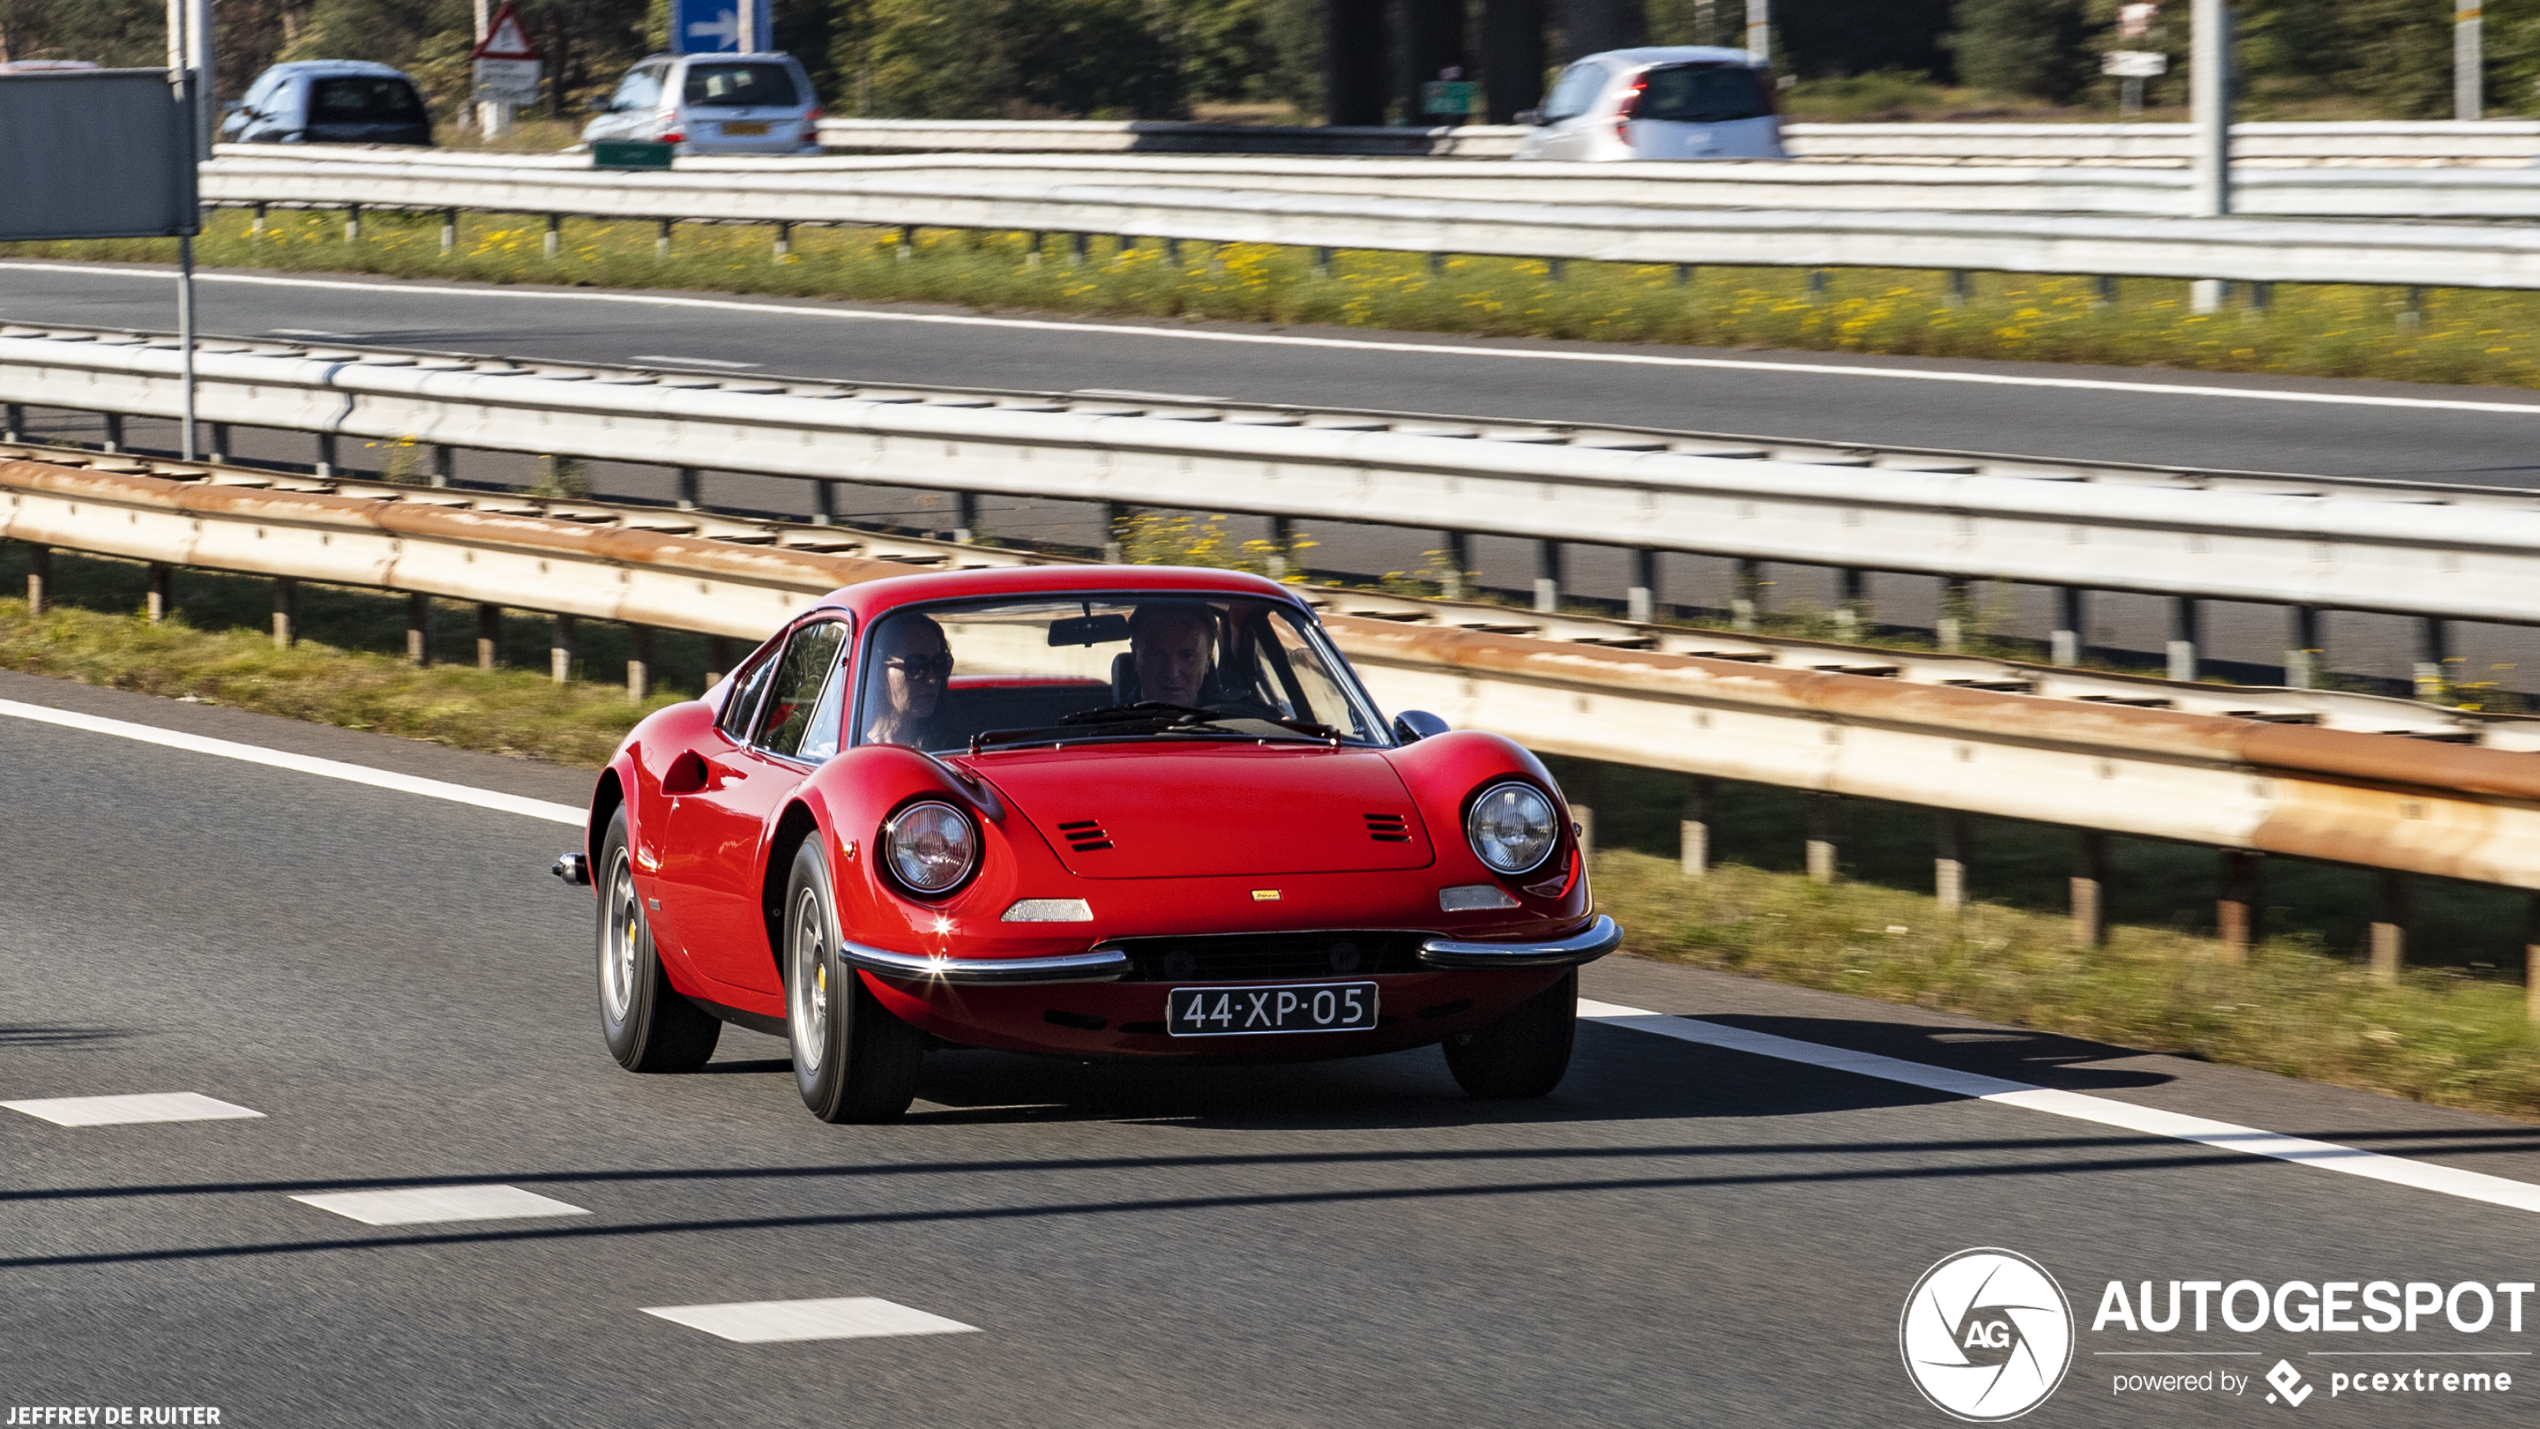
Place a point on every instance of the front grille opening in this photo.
(1254, 957)
(1388, 828)
(1083, 1021)
(1446, 1009)
(1085, 835)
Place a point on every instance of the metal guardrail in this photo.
(2259, 773)
(2240, 249)
(2491, 142)
(2438, 553)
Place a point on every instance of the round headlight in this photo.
(931, 847)
(1511, 828)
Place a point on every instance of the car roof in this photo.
(327, 67)
(722, 56)
(1676, 54)
(869, 600)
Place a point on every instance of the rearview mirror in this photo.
(1530, 116)
(1089, 630)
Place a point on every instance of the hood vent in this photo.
(1085, 835)
(1387, 828)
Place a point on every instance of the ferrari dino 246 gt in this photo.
(1097, 812)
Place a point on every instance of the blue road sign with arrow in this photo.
(704, 27)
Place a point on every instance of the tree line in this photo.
(1032, 59)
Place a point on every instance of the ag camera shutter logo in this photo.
(1987, 1335)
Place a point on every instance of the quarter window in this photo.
(739, 705)
(796, 695)
(641, 89)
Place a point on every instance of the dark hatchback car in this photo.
(329, 102)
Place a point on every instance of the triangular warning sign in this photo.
(505, 37)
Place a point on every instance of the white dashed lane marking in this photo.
(128, 1110)
(2326, 1155)
(761, 1322)
(424, 1205)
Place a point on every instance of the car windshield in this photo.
(1702, 94)
(363, 100)
(1578, 87)
(1160, 666)
(739, 85)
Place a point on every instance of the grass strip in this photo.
(2449, 1036)
(2464, 336)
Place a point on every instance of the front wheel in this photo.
(1524, 1054)
(648, 1025)
(853, 1061)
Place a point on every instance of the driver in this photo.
(913, 660)
(1172, 644)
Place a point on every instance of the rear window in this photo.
(364, 100)
(1703, 94)
(741, 84)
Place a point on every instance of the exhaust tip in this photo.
(573, 868)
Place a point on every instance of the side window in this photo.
(641, 89)
(1577, 88)
(739, 705)
(805, 668)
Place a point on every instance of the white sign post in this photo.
(507, 70)
(2133, 67)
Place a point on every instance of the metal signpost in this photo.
(2209, 99)
(704, 27)
(2469, 81)
(66, 128)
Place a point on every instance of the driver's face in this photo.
(1172, 664)
(915, 667)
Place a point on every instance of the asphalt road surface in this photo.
(1682, 1234)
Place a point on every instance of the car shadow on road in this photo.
(14, 1035)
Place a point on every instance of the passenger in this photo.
(910, 665)
(1172, 650)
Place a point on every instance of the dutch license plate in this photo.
(746, 128)
(1232, 1011)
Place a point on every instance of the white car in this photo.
(713, 104)
(1661, 102)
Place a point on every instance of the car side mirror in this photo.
(1412, 726)
(599, 106)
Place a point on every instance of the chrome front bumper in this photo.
(1599, 938)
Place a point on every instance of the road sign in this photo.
(2134, 64)
(704, 27)
(1448, 96)
(507, 64)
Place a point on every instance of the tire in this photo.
(1524, 1054)
(853, 1060)
(648, 1025)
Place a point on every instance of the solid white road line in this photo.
(765, 1321)
(424, 1205)
(1258, 339)
(299, 763)
(123, 1111)
(2326, 1155)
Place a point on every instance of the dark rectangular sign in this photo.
(103, 153)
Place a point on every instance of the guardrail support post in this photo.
(1950, 630)
(1322, 262)
(824, 502)
(256, 230)
(2068, 645)
(1816, 285)
(220, 443)
(2185, 636)
(2412, 316)
(286, 612)
(555, 235)
(418, 629)
(353, 223)
(907, 242)
(1640, 602)
(2206, 295)
(2237, 913)
(114, 431)
(2434, 649)
(449, 231)
(1825, 831)
(1114, 516)
(1032, 249)
(719, 658)
(12, 423)
(1437, 265)
(1459, 566)
(1584, 817)
(1960, 284)
(1955, 849)
(445, 460)
(661, 238)
(162, 580)
(2090, 888)
(1693, 830)
(1173, 253)
(1547, 577)
(2307, 661)
(563, 644)
(39, 575)
(690, 486)
(1746, 595)
(1556, 269)
(1684, 275)
(1077, 243)
(966, 521)
(2389, 938)
(2106, 292)
(489, 637)
(784, 242)
(1282, 538)
(1852, 601)
(639, 664)
(2261, 295)
(326, 454)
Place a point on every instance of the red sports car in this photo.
(1111, 812)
